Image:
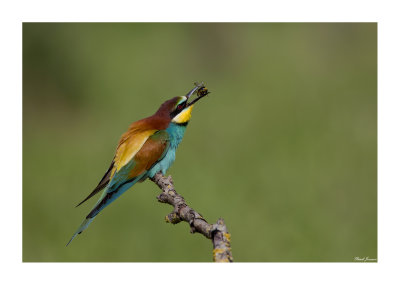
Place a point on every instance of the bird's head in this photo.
(179, 108)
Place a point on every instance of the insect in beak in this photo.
(201, 90)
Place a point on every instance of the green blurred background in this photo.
(284, 148)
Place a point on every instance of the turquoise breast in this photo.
(175, 133)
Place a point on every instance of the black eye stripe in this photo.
(181, 105)
(178, 109)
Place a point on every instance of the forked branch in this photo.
(217, 232)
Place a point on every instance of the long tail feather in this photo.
(105, 199)
(81, 228)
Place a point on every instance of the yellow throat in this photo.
(184, 116)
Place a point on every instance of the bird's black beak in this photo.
(201, 91)
(192, 91)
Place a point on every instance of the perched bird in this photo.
(146, 148)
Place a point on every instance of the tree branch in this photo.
(217, 232)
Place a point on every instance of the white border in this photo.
(12, 15)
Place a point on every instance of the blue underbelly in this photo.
(163, 164)
(175, 133)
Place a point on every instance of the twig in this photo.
(217, 232)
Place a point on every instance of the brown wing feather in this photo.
(130, 142)
(134, 139)
(150, 153)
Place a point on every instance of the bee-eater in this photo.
(146, 148)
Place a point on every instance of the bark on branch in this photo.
(217, 232)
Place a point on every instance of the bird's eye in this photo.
(180, 106)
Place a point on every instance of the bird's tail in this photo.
(105, 199)
(100, 204)
(81, 228)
